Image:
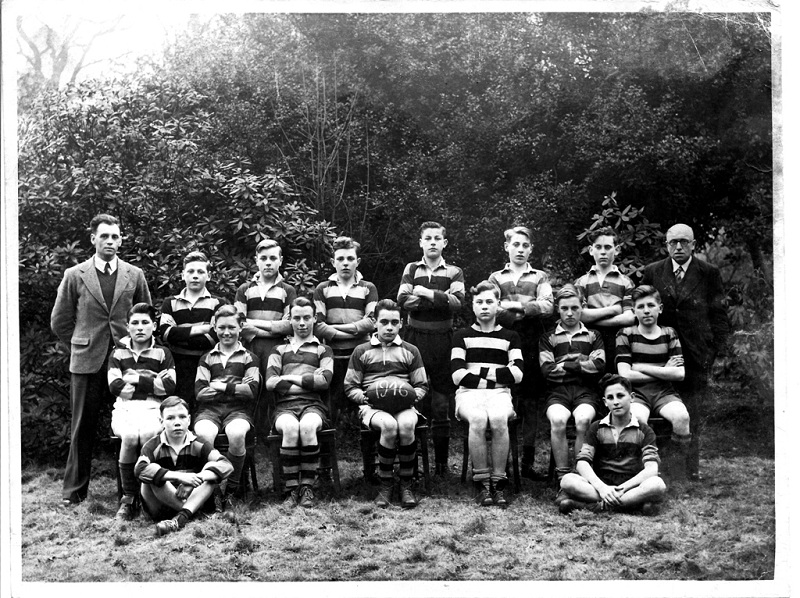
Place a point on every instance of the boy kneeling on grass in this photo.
(178, 471)
(618, 463)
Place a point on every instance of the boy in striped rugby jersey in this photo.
(226, 389)
(431, 291)
(140, 374)
(185, 323)
(345, 313)
(617, 467)
(486, 361)
(607, 291)
(298, 372)
(526, 304)
(386, 354)
(571, 357)
(179, 472)
(650, 356)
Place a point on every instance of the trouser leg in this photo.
(87, 393)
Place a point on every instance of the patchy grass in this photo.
(722, 529)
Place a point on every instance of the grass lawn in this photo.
(720, 529)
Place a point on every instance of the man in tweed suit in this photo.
(694, 305)
(89, 316)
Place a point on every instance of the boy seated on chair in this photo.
(226, 389)
(140, 374)
(178, 471)
(298, 371)
(571, 357)
(617, 468)
(387, 355)
(486, 361)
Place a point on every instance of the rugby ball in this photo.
(391, 394)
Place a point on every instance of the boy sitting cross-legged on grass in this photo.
(571, 357)
(607, 292)
(486, 361)
(178, 471)
(297, 372)
(226, 389)
(618, 463)
(140, 374)
(650, 356)
(386, 354)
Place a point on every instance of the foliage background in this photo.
(304, 126)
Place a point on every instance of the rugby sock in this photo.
(130, 485)
(561, 472)
(682, 440)
(234, 480)
(440, 432)
(408, 459)
(482, 476)
(386, 463)
(309, 464)
(499, 480)
(183, 516)
(290, 467)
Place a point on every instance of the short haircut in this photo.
(268, 244)
(567, 292)
(612, 379)
(518, 230)
(172, 401)
(303, 302)
(387, 305)
(645, 290)
(102, 219)
(431, 224)
(346, 243)
(142, 308)
(194, 256)
(228, 311)
(605, 231)
(485, 285)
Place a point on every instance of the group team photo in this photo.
(390, 297)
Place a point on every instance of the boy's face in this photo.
(345, 261)
(646, 309)
(106, 241)
(175, 421)
(617, 400)
(485, 305)
(268, 261)
(603, 250)
(519, 249)
(389, 325)
(302, 319)
(569, 311)
(228, 329)
(432, 242)
(141, 328)
(195, 275)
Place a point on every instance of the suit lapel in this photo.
(668, 276)
(123, 272)
(89, 277)
(691, 279)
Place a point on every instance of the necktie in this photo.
(679, 274)
(108, 269)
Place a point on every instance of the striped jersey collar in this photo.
(528, 268)
(477, 327)
(357, 277)
(239, 347)
(126, 342)
(581, 329)
(190, 438)
(612, 268)
(375, 341)
(294, 344)
(183, 295)
(441, 264)
(278, 278)
(606, 421)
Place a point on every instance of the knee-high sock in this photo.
(309, 464)
(408, 461)
(130, 485)
(290, 467)
(386, 463)
(234, 480)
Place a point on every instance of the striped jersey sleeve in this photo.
(581, 356)
(147, 365)
(156, 460)
(486, 359)
(447, 284)
(213, 367)
(178, 316)
(532, 290)
(616, 289)
(312, 361)
(372, 361)
(633, 347)
(274, 305)
(351, 311)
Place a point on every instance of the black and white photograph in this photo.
(391, 299)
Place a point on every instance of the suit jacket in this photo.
(695, 307)
(81, 318)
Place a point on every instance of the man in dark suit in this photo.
(89, 316)
(694, 305)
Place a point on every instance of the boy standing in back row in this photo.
(431, 291)
(526, 301)
(609, 307)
